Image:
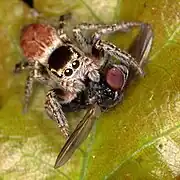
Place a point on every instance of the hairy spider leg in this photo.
(81, 40)
(54, 110)
(60, 29)
(123, 56)
(37, 73)
(101, 29)
(28, 90)
(22, 65)
(19, 67)
(52, 105)
(104, 30)
(62, 22)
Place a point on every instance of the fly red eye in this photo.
(68, 72)
(115, 78)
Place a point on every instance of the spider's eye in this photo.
(75, 64)
(60, 76)
(68, 72)
(55, 72)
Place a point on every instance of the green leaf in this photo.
(139, 139)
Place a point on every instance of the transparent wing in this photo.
(141, 46)
(78, 136)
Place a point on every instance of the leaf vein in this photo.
(153, 141)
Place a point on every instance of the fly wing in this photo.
(141, 46)
(78, 136)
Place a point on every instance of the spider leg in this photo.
(37, 73)
(101, 30)
(28, 90)
(80, 133)
(81, 40)
(142, 44)
(145, 36)
(60, 29)
(123, 56)
(54, 110)
(104, 60)
(106, 29)
(20, 66)
(109, 29)
(62, 22)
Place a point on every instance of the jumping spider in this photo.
(54, 59)
(75, 66)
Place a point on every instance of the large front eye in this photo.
(68, 72)
(75, 64)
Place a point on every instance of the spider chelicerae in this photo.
(80, 71)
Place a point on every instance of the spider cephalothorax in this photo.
(73, 69)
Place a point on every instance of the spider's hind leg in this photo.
(28, 90)
(20, 66)
(38, 73)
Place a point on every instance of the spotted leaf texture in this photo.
(139, 139)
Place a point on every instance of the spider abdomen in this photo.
(37, 41)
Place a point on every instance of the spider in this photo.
(81, 75)
(66, 64)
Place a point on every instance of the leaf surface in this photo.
(139, 139)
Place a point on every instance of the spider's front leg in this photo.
(112, 50)
(101, 29)
(123, 56)
(54, 110)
